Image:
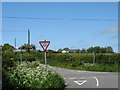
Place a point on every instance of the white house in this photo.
(64, 51)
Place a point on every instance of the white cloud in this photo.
(111, 30)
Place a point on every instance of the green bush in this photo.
(7, 60)
(34, 76)
(25, 56)
(28, 57)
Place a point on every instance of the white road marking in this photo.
(72, 78)
(83, 78)
(65, 83)
(64, 78)
(78, 82)
(96, 81)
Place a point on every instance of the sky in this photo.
(60, 0)
(76, 25)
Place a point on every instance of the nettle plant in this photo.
(34, 75)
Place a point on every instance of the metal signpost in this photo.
(93, 58)
(44, 45)
(20, 50)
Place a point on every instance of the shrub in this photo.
(34, 76)
(28, 57)
(7, 60)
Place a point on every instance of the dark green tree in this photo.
(59, 50)
(90, 50)
(51, 51)
(26, 46)
(103, 50)
(97, 49)
(83, 51)
(39, 50)
(66, 48)
(7, 47)
(109, 50)
(78, 51)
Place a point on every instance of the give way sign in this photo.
(44, 44)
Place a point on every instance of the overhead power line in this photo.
(75, 19)
(34, 18)
(97, 19)
(11, 31)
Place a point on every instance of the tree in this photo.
(78, 51)
(90, 50)
(96, 49)
(7, 47)
(32, 47)
(26, 46)
(59, 50)
(83, 51)
(39, 50)
(66, 49)
(51, 51)
(103, 50)
(109, 50)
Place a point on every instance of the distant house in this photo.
(71, 51)
(65, 51)
(74, 50)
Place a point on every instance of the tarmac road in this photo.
(88, 79)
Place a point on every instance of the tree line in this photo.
(96, 49)
(32, 47)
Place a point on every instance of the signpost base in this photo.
(45, 58)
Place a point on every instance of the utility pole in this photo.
(21, 56)
(93, 59)
(15, 43)
(28, 40)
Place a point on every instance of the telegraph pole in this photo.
(15, 43)
(28, 40)
(93, 59)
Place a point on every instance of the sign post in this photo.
(20, 50)
(45, 59)
(94, 58)
(44, 45)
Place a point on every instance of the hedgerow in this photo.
(86, 58)
(103, 61)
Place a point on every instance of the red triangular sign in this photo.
(44, 44)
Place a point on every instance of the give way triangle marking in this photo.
(80, 82)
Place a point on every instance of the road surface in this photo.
(88, 79)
